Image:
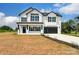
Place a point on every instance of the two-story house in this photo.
(33, 21)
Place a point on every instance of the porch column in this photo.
(27, 29)
(20, 27)
(59, 29)
(18, 31)
(42, 29)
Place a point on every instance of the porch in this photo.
(35, 29)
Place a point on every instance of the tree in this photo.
(78, 27)
(65, 27)
(68, 27)
(77, 19)
(71, 22)
(77, 24)
(5, 29)
(16, 29)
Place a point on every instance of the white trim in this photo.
(30, 32)
(44, 20)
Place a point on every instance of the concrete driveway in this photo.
(66, 38)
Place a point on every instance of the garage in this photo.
(50, 30)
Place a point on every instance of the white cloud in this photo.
(70, 9)
(58, 4)
(42, 10)
(45, 10)
(8, 20)
(2, 15)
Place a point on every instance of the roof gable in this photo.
(43, 13)
(26, 10)
(57, 14)
(34, 9)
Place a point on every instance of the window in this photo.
(34, 17)
(34, 28)
(51, 19)
(23, 19)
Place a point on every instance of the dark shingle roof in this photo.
(43, 13)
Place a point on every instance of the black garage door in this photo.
(50, 29)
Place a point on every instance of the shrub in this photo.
(6, 29)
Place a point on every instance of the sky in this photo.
(9, 11)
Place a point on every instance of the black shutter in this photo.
(18, 26)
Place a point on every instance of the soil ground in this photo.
(13, 44)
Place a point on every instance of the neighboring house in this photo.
(33, 21)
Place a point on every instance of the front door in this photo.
(24, 30)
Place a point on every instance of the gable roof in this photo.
(43, 13)
(24, 11)
(29, 11)
(34, 9)
(55, 13)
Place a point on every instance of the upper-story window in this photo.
(23, 19)
(51, 19)
(34, 17)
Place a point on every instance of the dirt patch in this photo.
(12, 44)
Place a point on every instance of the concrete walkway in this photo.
(66, 38)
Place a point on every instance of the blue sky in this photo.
(15, 8)
(11, 10)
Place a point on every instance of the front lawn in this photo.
(11, 43)
(72, 33)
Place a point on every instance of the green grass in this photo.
(72, 33)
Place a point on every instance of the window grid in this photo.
(33, 28)
(51, 19)
(34, 17)
(23, 19)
